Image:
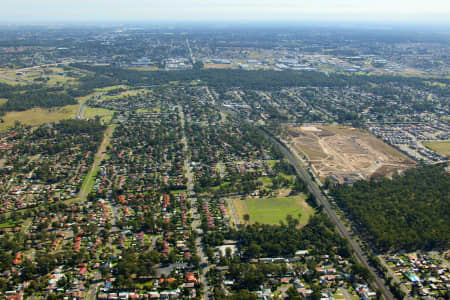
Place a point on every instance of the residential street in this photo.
(194, 212)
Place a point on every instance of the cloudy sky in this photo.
(24, 11)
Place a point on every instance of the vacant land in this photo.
(441, 147)
(219, 66)
(122, 91)
(105, 114)
(47, 75)
(37, 116)
(99, 157)
(3, 101)
(131, 92)
(273, 210)
(60, 80)
(346, 152)
(7, 80)
(112, 87)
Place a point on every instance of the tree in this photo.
(317, 292)
(408, 212)
(198, 65)
(293, 294)
(243, 295)
(228, 252)
(246, 218)
(195, 260)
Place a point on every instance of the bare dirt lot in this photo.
(346, 153)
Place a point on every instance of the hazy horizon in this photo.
(70, 11)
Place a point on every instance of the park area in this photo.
(37, 116)
(272, 210)
(105, 114)
(346, 153)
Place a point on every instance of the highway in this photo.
(342, 230)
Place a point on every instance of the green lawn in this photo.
(177, 192)
(8, 225)
(146, 285)
(37, 116)
(273, 162)
(113, 87)
(105, 114)
(144, 110)
(266, 181)
(441, 147)
(89, 181)
(339, 296)
(58, 79)
(273, 210)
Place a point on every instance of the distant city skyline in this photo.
(410, 11)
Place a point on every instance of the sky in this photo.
(411, 11)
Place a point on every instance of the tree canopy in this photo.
(409, 212)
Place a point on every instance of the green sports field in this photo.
(273, 210)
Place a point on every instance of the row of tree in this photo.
(267, 80)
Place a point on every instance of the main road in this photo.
(322, 200)
(190, 51)
(194, 210)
